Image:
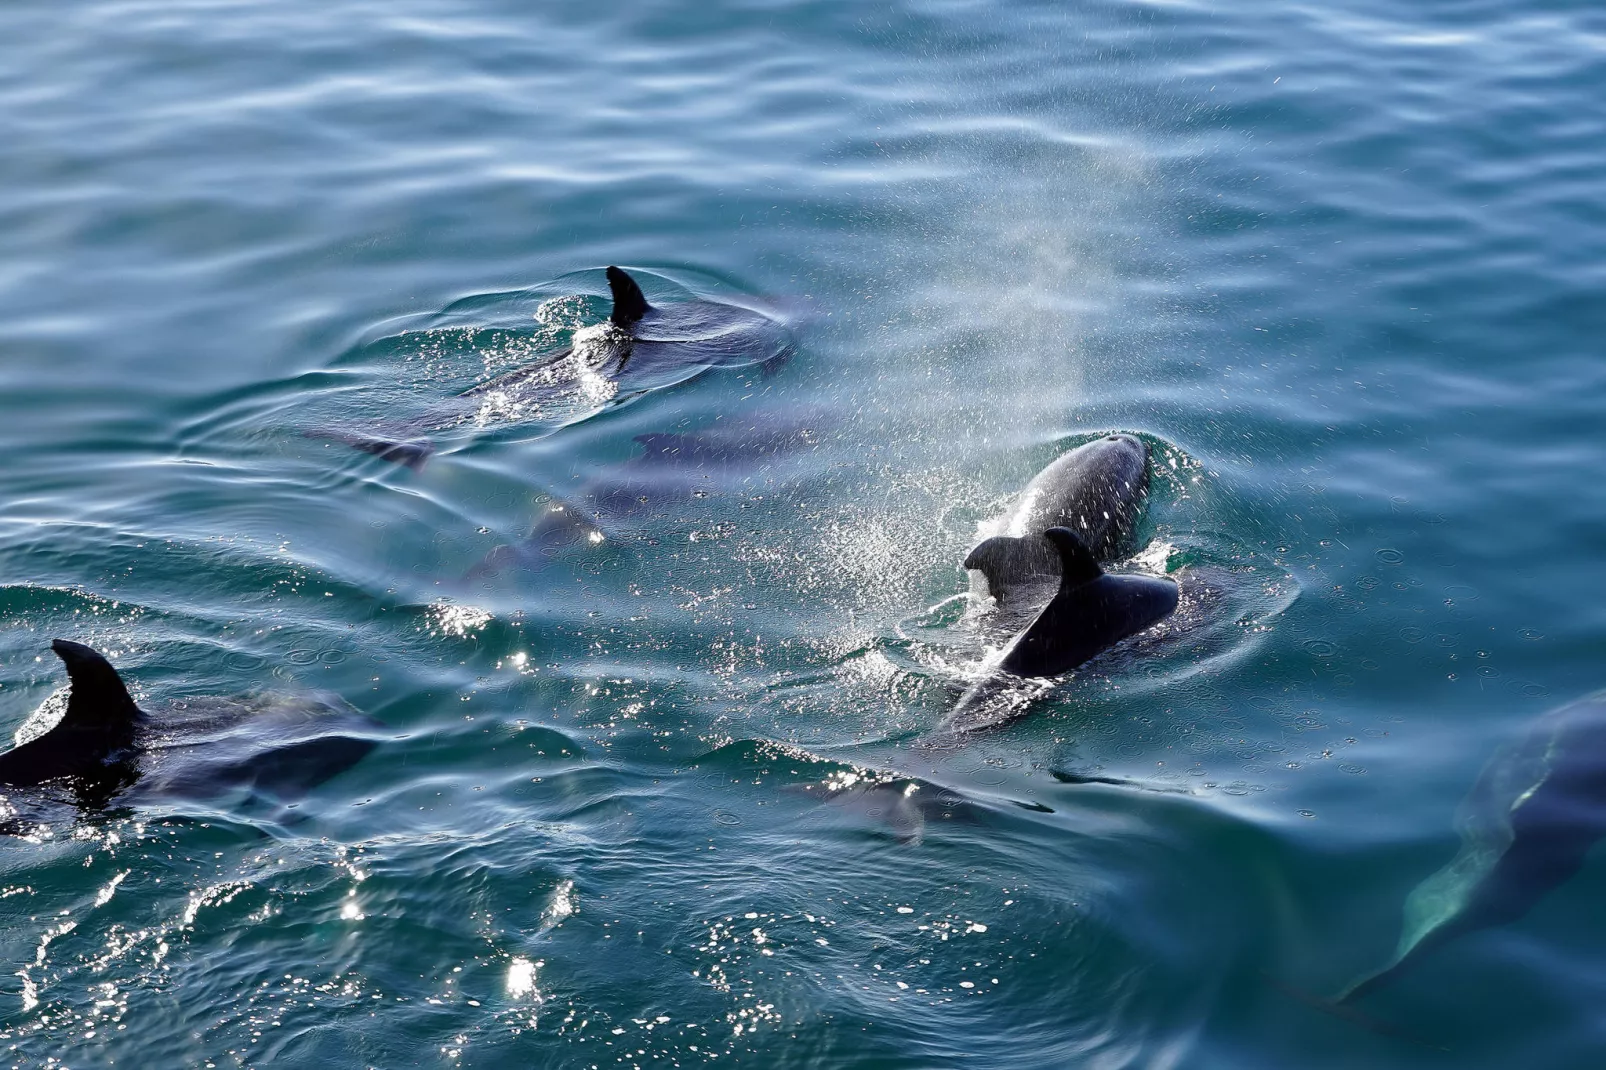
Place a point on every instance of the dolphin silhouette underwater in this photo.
(1091, 612)
(639, 347)
(269, 745)
(1526, 827)
(673, 468)
(1097, 490)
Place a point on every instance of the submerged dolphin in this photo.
(1533, 815)
(639, 347)
(673, 467)
(1097, 490)
(1092, 611)
(268, 744)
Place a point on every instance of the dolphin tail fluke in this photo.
(1361, 987)
(1338, 1008)
(413, 453)
(629, 303)
(1077, 563)
(98, 700)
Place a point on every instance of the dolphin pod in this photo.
(272, 746)
(1527, 825)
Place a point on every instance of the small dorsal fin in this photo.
(629, 303)
(1003, 559)
(98, 699)
(1077, 564)
(982, 554)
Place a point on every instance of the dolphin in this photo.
(672, 467)
(1097, 490)
(1526, 826)
(1092, 611)
(639, 347)
(268, 744)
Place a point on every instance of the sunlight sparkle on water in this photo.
(521, 977)
(450, 618)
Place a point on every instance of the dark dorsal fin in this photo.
(1006, 559)
(982, 554)
(1077, 565)
(98, 700)
(629, 303)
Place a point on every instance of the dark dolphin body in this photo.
(1091, 613)
(640, 347)
(104, 746)
(673, 467)
(1097, 490)
(1533, 815)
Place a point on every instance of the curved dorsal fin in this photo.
(1077, 565)
(629, 303)
(98, 699)
(1006, 559)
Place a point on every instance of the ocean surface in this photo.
(668, 795)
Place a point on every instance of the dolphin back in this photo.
(1091, 613)
(1097, 490)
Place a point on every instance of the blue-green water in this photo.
(1342, 265)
